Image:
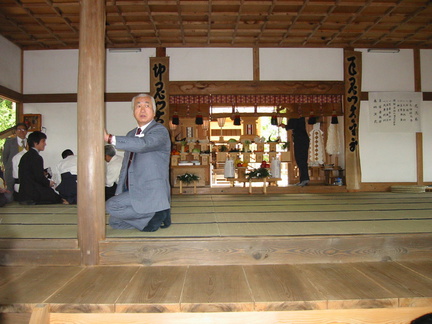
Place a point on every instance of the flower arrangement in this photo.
(258, 173)
(188, 178)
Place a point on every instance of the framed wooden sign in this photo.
(33, 122)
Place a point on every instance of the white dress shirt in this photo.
(68, 164)
(15, 163)
(113, 170)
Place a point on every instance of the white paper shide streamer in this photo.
(333, 140)
(316, 148)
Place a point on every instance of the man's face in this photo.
(21, 132)
(41, 145)
(143, 110)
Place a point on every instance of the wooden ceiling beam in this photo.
(350, 21)
(40, 22)
(124, 24)
(376, 22)
(405, 21)
(209, 21)
(153, 23)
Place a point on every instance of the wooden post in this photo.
(419, 155)
(91, 87)
(419, 136)
(352, 72)
(417, 70)
(40, 314)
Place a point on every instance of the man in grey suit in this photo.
(143, 194)
(11, 147)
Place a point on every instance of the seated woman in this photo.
(35, 187)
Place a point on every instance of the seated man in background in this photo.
(35, 188)
(113, 167)
(66, 174)
(12, 146)
(15, 163)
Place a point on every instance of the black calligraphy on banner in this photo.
(159, 71)
(353, 102)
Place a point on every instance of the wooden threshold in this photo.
(266, 250)
(297, 293)
(400, 315)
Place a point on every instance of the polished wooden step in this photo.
(271, 293)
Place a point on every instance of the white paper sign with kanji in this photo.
(394, 111)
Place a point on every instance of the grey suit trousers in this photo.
(122, 214)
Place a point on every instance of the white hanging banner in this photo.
(394, 111)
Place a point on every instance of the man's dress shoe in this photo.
(163, 216)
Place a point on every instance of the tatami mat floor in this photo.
(253, 215)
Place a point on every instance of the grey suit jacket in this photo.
(10, 149)
(148, 173)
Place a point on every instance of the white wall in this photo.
(211, 64)
(306, 64)
(385, 157)
(128, 72)
(391, 157)
(10, 65)
(388, 71)
(426, 70)
(50, 71)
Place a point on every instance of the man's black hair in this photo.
(66, 153)
(35, 138)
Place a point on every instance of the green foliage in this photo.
(7, 116)
(258, 173)
(188, 178)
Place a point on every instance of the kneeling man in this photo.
(143, 194)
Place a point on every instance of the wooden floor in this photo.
(395, 286)
(297, 258)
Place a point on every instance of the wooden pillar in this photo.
(91, 169)
(417, 71)
(419, 136)
(419, 155)
(352, 72)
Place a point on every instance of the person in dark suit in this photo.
(301, 147)
(143, 194)
(12, 146)
(35, 187)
